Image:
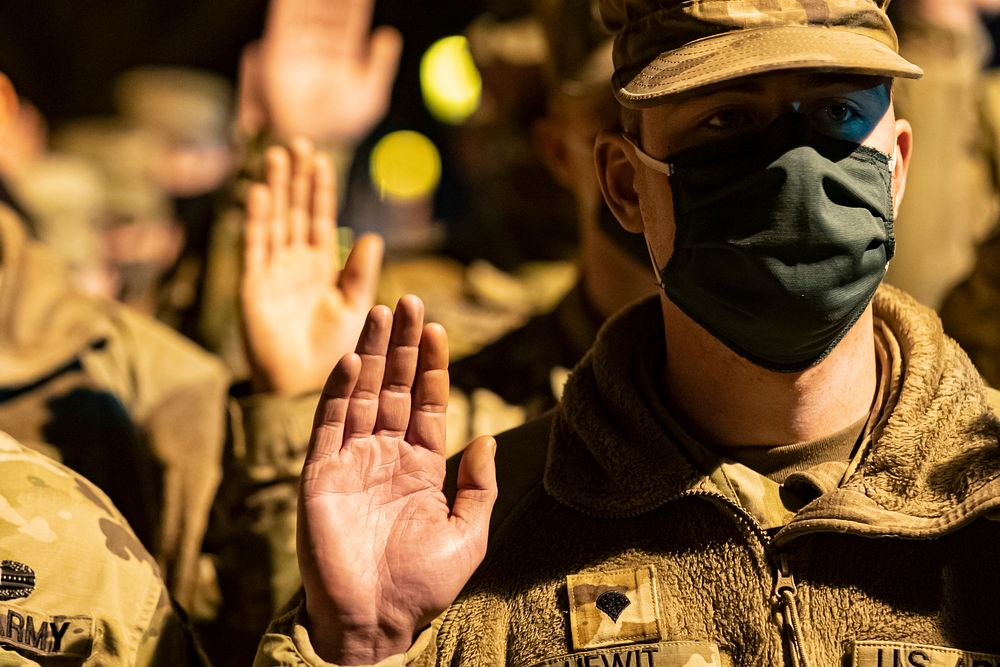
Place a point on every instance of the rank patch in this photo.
(17, 580)
(890, 654)
(613, 608)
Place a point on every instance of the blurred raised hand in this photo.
(319, 71)
(953, 14)
(380, 552)
(301, 313)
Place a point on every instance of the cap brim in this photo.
(734, 55)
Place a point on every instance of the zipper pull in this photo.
(784, 580)
(784, 594)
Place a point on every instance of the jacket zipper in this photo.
(784, 593)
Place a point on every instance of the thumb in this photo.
(384, 50)
(477, 487)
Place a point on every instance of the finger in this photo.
(359, 279)
(331, 413)
(251, 114)
(356, 17)
(428, 417)
(372, 346)
(301, 189)
(383, 59)
(278, 169)
(255, 237)
(400, 368)
(322, 231)
(477, 490)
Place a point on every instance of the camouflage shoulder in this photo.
(144, 360)
(74, 579)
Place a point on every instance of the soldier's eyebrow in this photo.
(874, 86)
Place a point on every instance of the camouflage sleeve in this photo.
(255, 514)
(286, 644)
(82, 588)
(177, 396)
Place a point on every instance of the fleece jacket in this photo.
(611, 548)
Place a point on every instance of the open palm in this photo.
(380, 551)
(301, 313)
(318, 71)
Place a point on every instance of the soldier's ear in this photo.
(616, 170)
(901, 166)
(550, 144)
(8, 102)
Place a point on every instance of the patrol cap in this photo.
(665, 47)
(124, 155)
(186, 104)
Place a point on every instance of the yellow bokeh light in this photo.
(405, 165)
(450, 82)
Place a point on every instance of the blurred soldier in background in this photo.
(141, 236)
(67, 198)
(953, 179)
(521, 375)
(190, 114)
(140, 411)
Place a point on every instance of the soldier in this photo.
(774, 462)
(953, 199)
(76, 585)
(521, 375)
(142, 413)
(190, 112)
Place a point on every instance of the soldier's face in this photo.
(848, 107)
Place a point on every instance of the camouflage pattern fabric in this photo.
(520, 375)
(75, 583)
(664, 47)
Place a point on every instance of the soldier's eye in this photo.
(841, 113)
(727, 119)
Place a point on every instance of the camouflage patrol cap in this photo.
(665, 47)
(186, 104)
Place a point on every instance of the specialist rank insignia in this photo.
(613, 608)
(17, 580)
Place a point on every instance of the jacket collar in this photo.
(933, 465)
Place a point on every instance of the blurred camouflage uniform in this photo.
(120, 399)
(521, 375)
(971, 310)
(142, 413)
(190, 112)
(67, 199)
(141, 237)
(951, 193)
(76, 585)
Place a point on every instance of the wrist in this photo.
(345, 642)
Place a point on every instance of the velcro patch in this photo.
(899, 654)
(613, 608)
(663, 654)
(45, 635)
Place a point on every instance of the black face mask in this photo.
(782, 239)
(633, 245)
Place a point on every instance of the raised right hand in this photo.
(319, 71)
(380, 552)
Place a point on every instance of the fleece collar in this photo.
(933, 464)
(44, 324)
